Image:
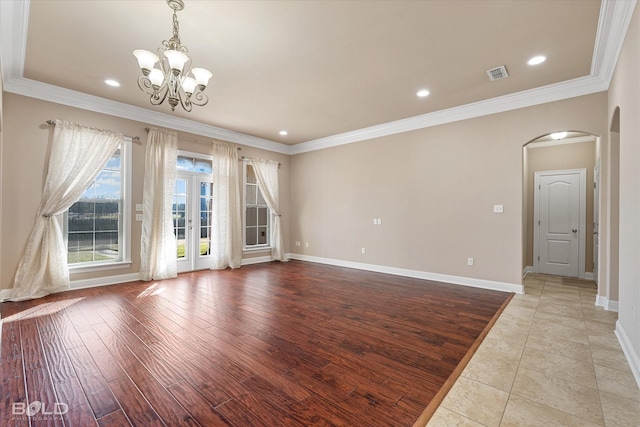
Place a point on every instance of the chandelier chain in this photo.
(176, 28)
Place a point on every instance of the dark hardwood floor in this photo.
(277, 344)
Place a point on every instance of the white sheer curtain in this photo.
(267, 176)
(78, 154)
(158, 249)
(226, 227)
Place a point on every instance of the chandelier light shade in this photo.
(173, 80)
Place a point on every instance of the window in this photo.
(96, 227)
(256, 212)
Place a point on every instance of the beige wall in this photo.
(25, 154)
(624, 93)
(434, 190)
(561, 157)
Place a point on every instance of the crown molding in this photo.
(59, 95)
(555, 92)
(615, 17)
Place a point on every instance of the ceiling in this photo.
(328, 72)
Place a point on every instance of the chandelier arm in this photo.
(145, 85)
(199, 98)
(159, 96)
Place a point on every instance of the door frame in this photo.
(582, 173)
(596, 220)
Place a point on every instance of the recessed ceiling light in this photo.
(422, 93)
(284, 133)
(558, 135)
(111, 82)
(537, 60)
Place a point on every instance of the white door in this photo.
(596, 218)
(560, 210)
(192, 221)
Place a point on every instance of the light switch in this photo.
(138, 207)
(138, 217)
(498, 208)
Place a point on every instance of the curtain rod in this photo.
(135, 139)
(241, 158)
(200, 142)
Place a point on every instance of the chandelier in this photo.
(172, 80)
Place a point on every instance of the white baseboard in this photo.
(5, 294)
(437, 277)
(528, 269)
(588, 275)
(88, 283)
(606, 303)
(256, 260)
(102, 281)
(632, 357)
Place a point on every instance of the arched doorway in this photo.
(553, 160)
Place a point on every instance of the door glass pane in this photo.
(206, 193)
(179, 217)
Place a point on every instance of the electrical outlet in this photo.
(364, 250)
(297, 243)
(138, 217)
(498, 208)
(469, 261)
(138, 207)
(306, 244)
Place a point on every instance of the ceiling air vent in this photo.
(497, 73)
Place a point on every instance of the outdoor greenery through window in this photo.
(257, 212)
(94, 223)
(192, 207)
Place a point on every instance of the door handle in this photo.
(575, 230)
(595, 233)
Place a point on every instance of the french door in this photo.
(192, 216)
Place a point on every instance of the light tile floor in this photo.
(551, 359)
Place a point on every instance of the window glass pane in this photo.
(106, 246)
(262, 235)
(203, 166)
(90, 192)
(251, 176)
(261, 201)
(106, 217)
(185, 164)
(252, 217)
(114, 162)
(262, 216)
(80, 247)
(252, 239)
(250, 196)
(107, 185)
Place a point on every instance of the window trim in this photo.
(124, 217)
(255, 248)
